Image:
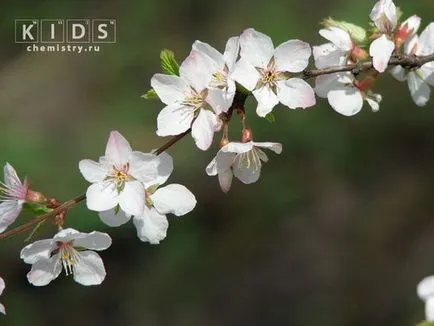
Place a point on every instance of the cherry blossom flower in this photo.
(118, 177)
(406, 30)
(345, 94)
(244, 160)
(2, 287)
(13, 194)
(419, 80)
(71, 250)
(425, 291)
(188, 104)
(221, 89)
(268, 72)
(151, 223)
(385, 19)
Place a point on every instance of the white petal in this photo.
(132, 198)
(412, 24)
(37, 250)
(2, 309)
(327, 55)
(66, 235)
(425, 288)
(150, 168)
(102, 196)
(411, 46)
(338, 37)
(245, 74)
(419, 90)
(44, 271)
(345, 100)
(275, 147)
(112, 219)
(238, 148)
(203, 129)
(231, 52)
(95, 241)
(174, 120)
(89, 269)
(212, 54)
(399, 73)
(426, 40)
(295, 93)
(427, 73)
(225, 180)
(257, 48)
(384, 15)
(175, 199)
(196, 70)
(325, 83)
(9, 211)
(11, 177)
(221, 99)
(375, 106)
(2, 285)
(429, 309)
(151, 226)
(220, 163)
(93, 171)
(381, 50)
(267, 100)
(246, 174)
(118, 149)
(170, 89)
(292, 56)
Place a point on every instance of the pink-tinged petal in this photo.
(295, 93)
(411, 25)
(427, 73)
(89, 269)
(151, 226)
(411, 46)
(425, 288)
(67, 235)
(175, 199)
(2, 285)
(257, 48)
(93, 171)
(132, 198)
(267, 100)
(169, 88)
(113, 219)
(275, 147)
(419, 90)
(231, 52)
(118, 149)
(225, 180)
(2, 309)
(381, 50)
(151, 169)
(399, 73)
(197, 70)
(9, 211)
(384, 16)
(246, 174)
(220, 163)
(44, 271)
(220, 99)
(94, 241)
(102, 196)
(328, 55)
(37, 250)
(11, 177)
(245, 74)
(338, 37)
(345, 100)
(174, 120)
(426, 40)
(203, 129)
(325, 83)
(215, 57)
(238, 148)
(292, 56)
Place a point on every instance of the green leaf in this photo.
(270, 117)
(36, 208)
(357, 33)
(150, 95)
(168, 62)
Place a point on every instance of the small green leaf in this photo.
(36, 208)
(168, 62)
(270, 117)
(357, 33)
(150, 95)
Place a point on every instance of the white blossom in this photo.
(425, 291)
(2, 287)
(188, 103)
(345, 94)
(13, 194)
(335, 53)
(244, 160)
(420, 79)
(118, 177)
(269, 72)
(71, 250)
(151, 223)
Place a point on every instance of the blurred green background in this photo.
(338, 231)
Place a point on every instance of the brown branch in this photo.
(407, 61)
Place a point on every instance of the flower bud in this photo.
(366, 83)
(247, 135)
(35, 197)
(358, 54)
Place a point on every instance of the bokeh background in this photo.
(338, 231)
